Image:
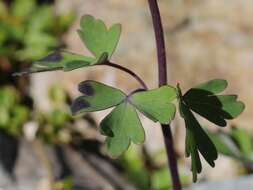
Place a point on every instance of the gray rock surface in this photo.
(27, 173)
(242, 183)
(89, 172)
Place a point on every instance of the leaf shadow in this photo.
(208, 105)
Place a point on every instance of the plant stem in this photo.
(162, 70)
(126, 70)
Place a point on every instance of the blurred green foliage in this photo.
(236, 144)
(65, 184)
(12, 114)
(55, 126)
(133, 163)
(147, 172)
(28, 30)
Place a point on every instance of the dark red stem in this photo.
(126, 70)
(162, 70)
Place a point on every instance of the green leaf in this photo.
(225, 145)
(65, 61)
(214, 86)
(191, 150)
(161, 180)
(64, 184)
(8, 97)
(57, 94)
(203, 100)
(122, 126)
(134, 167)
(39, 39)
(236, 144)
(22, 8)
(66, 20)
(58, 118)
(215, 108)
(43, 19)
(4, 117)
(197, 141)
(243, 140)
(156, 104)
(97, 97)
(19, 116)
(97, 38)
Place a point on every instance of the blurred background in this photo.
(43, 148)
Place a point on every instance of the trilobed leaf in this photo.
(97, 38)
(97, 96)
(156, 104)
(215, 108)
(122, 126)
(197, 141)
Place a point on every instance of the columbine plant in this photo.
(123, 126)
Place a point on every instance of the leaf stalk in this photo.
(126, 70)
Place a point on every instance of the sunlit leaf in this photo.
(97, 97)
(214, 86)
(122, 126)
(97, 38)
(156, 104)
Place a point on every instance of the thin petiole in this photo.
(126, 70)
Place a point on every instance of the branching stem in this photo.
(162, 70)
